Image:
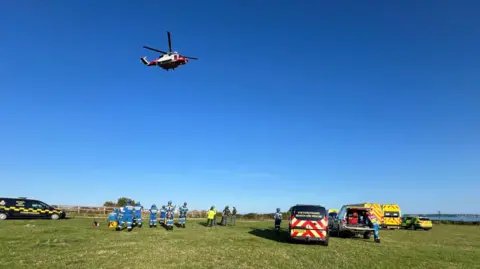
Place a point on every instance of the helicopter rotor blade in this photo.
(192, 58)
(149, 48)
(169, 42)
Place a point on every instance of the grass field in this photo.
(74, 243)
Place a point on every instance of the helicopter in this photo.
(168, 60)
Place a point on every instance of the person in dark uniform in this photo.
(233, 218)
(226, 213)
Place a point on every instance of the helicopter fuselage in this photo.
(167, 61)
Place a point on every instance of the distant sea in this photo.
(454, 218)
(450, 217)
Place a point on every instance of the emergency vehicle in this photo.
(332, 213)
(23, 208)
(416, 222)
(392, 216)
(308, 223)
(376, 209)
(351, 221)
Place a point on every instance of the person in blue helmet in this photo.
(119, 215)
(138, 214)
(153, 216)
(169, 215)
(127, 215)
(112, 221)
(163, 213)
(182, 215)
(278, 220)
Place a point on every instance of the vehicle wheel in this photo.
(326, 243)
(3, 216)
(366, 235)
(183, 226)
(140, 225)
(54, 216)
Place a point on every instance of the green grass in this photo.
(74, 243)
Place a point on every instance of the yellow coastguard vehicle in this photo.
(23, 208)
(416, 222)
(392, 216)
(332, 213)
(375, 207)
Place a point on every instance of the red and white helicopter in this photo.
(168, 60)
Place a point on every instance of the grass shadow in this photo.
(205, 224)
(178, 225)
(271, 234)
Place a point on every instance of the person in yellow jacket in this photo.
(210, 216)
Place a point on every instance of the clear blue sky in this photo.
(311, 102)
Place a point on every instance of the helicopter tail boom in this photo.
(146, 62)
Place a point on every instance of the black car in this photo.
(23, 208)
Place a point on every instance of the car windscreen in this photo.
(332, 215)
(309, 212)
(391, 214)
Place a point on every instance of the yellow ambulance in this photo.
(392, 216)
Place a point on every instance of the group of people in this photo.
(226, 213)
(131, 215)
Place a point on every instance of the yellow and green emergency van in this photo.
(416, 222)
(392, 216)
(23, 208)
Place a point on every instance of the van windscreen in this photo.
(309, 212)
(391, 214)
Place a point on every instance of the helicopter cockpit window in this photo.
(175, 57)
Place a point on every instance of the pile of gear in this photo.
(130, 216)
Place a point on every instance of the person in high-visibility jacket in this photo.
(278, 219)
(210, 216)
(112, 221)
(373, 223)
(127, 211)
(138, 214)
(153, 216)
(163, 213)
